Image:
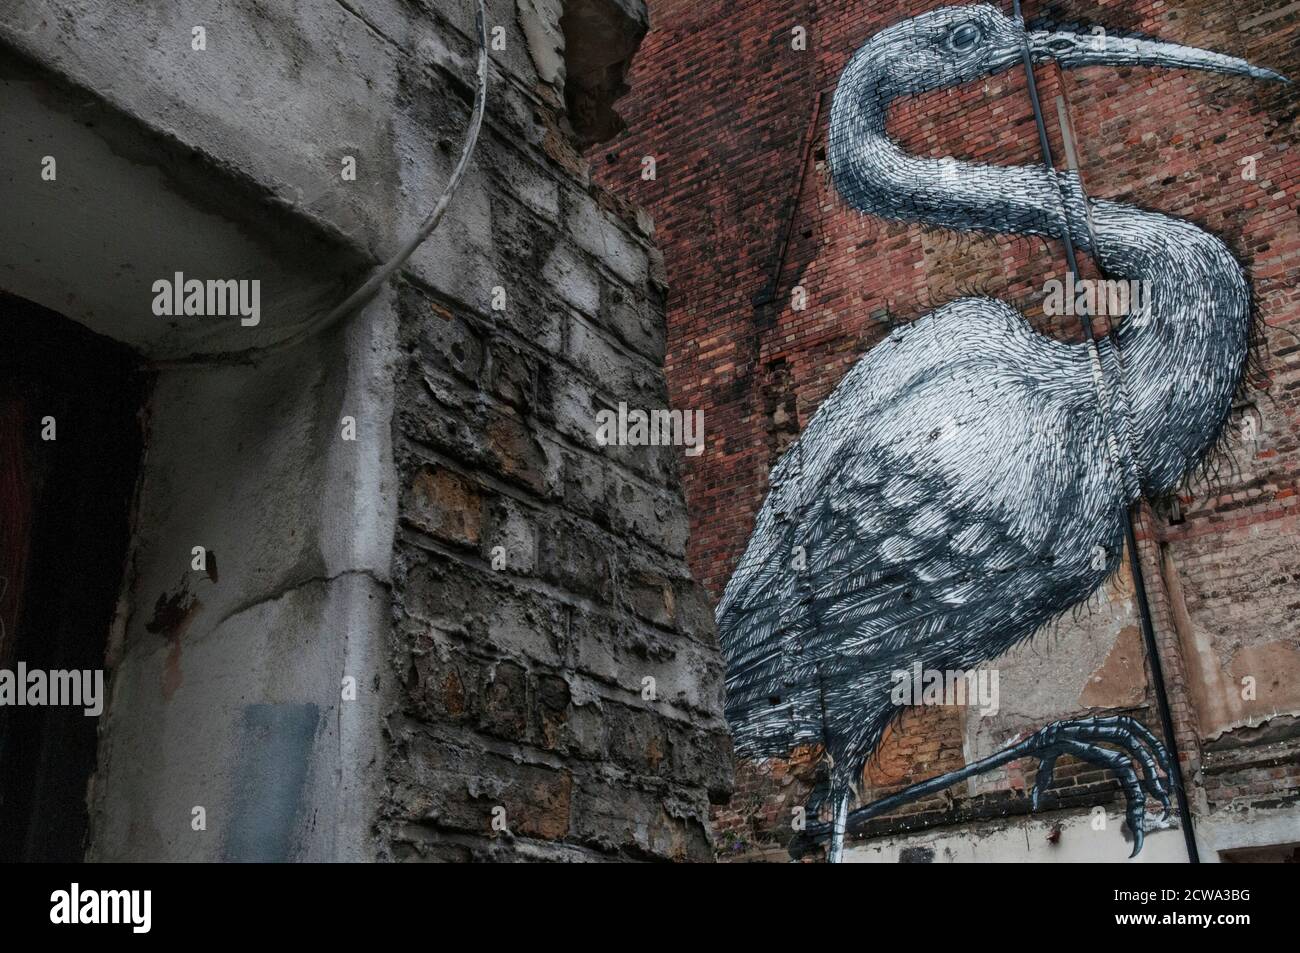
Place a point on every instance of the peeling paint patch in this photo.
(1120, 681)
(539, 21)
(1274, 671)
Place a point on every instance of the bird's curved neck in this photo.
(876, 176)
(1179, 364)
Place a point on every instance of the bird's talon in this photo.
(1080, 739)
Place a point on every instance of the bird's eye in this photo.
(963, 38)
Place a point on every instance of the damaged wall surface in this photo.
(436, 619)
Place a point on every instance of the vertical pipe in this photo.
(1130, 538)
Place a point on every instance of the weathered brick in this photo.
(625, 819)
(445, 504)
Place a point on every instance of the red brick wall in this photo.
(730, 112)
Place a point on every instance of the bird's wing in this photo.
(908, 512)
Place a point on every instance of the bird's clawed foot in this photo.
(1080, 738)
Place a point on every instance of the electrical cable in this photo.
(370, 287)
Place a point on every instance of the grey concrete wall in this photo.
(226, 683)
(245, 459)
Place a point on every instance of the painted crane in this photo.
(967, 481)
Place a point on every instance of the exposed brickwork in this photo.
(736, 121)
(558, 666)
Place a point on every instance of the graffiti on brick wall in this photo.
(968, 480)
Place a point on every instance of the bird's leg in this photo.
(839, 823)
(1047, 744)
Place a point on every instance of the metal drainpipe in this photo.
(1130, 538)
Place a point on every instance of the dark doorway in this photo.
(64, 526)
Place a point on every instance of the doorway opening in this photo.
(71, 440)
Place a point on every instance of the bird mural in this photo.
(968, 480)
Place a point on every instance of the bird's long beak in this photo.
(1101, 49)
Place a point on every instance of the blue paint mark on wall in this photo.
(274, 748)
